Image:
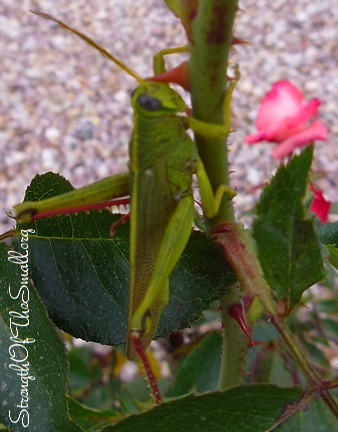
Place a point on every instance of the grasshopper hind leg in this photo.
(145, 318)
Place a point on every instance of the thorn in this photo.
(238, 41)
(179, 75)
(236, 311)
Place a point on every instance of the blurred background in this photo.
(65, 108)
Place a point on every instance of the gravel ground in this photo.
(65, 108)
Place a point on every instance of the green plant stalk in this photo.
(234, 242)
(211, 43)
(212, 38)
(235, 343)
(239, 252)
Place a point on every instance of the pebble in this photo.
(50, 159)
(52, 133)
(65, 107)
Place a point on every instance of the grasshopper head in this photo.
(157, 99)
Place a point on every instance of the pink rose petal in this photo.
(317, 131)
(284, 100)
(285, 118)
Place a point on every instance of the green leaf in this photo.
(333, 251)
(328, 233)
(269, 367)
(316, 352)
(241, 409)
(287, 243)
(89, 418)
(315, 417)
(34, 363)
(82, 274)
(328, 306)
(199, 371)
(332, 325)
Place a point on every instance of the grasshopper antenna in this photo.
(94, 44)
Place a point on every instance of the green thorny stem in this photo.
(212, 38)
(212, 33)
(211, 42)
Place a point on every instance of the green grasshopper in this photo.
(163, 159)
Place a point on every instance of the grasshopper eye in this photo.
(149, 103)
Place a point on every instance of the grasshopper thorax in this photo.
(157, 99)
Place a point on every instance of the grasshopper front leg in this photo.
(158, 59)
(179, 75)
(210, 200)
